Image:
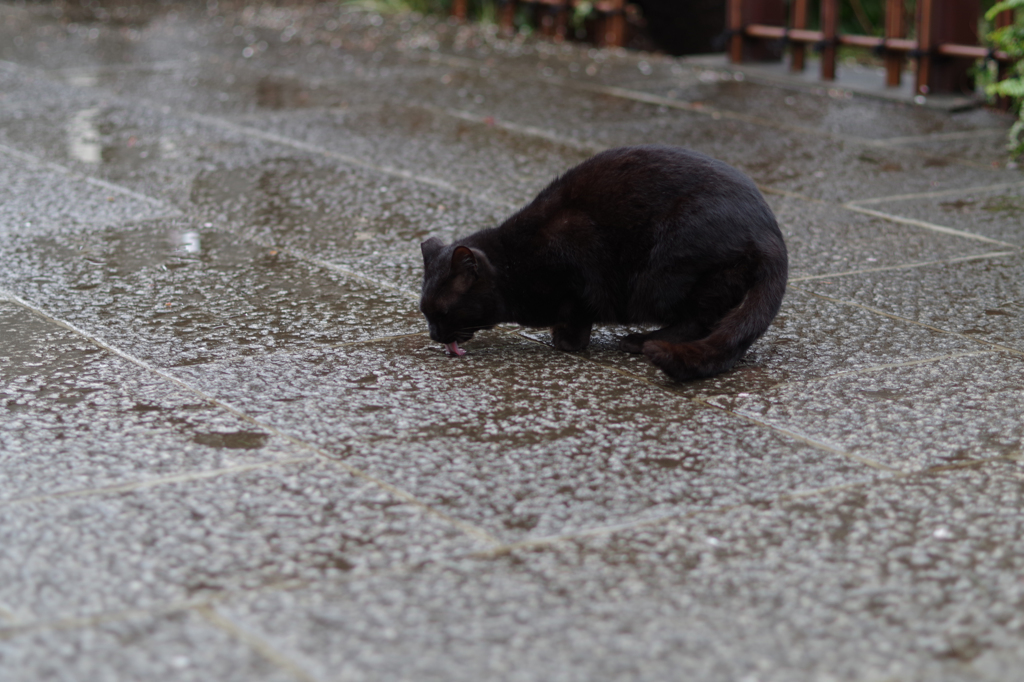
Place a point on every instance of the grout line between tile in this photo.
(803, 438)
(928, 226)
(906, 266)
(622, 93)
(155, 482)
(208, 601)
(807, 440)
(274, 138)
(109, 186)
(7, 615)
(767, 189)
(970, 464)
(881, 368)
(541, 542)
(530, 131)
(649, 98)
(940, 193)
(175, 213)
(286, 141)
(940, 137)
(716, 113)
(353, 160)
(77, 622)
(713, 112)
(165, 65)
(876, 311)
(887, 477)
(617, 92)
(467, 528)
(257, 644)
(327, 265)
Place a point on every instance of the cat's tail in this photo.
(734, 333)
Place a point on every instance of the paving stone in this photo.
(361, 220)
(136, 145)
(841, 171)
(480, 158)
(309, 148)
(911, 417)
(75, 417)
(819, 107)
(177, 646)
(810, 338)
(150, 546)
(38, 198)
(980, 299)
(825, 239)
(986, 145)
(994, 213)
(913, 579)
(173, 293)
(522, 438)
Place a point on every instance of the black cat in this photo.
(634, 235)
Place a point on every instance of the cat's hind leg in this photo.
(571, 336)
(730, 336)
(679, 332)
(695, 360)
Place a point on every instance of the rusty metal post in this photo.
(798, 51)
(562, 20)
(829, 30)
(615, 24)
(924, 46)
(767, 13)
(940, 22)
(895, 27)
(736, 31)
(546, 11)
(507, 16)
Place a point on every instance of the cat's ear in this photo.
(463, 261)
(431, 248)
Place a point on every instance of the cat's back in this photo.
(631, 185)
(634, 198)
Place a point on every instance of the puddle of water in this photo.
(236, 440)
(273, 93)
(179, 294)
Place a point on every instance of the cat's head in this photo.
(460, 296)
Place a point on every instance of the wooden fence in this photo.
(946, 44)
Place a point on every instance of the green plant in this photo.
(396, 6)
(1010, 39)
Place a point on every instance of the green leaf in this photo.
(1011, 87)
(1001, 6)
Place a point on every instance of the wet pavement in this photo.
(230, 451)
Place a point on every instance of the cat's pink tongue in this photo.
(453, 348)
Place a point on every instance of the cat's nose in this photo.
(435, 335)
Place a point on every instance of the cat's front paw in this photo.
(570, 338)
